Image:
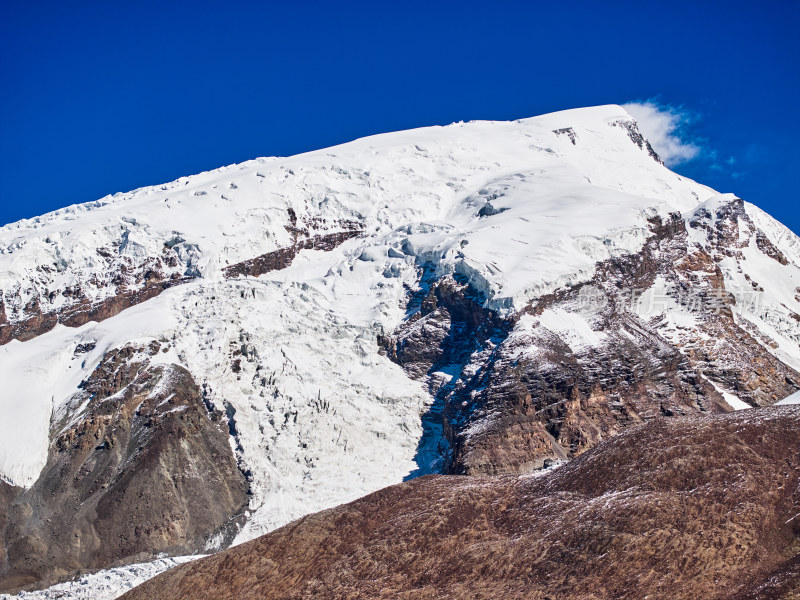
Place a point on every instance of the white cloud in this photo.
(662, 126)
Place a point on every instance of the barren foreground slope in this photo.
(677, 508)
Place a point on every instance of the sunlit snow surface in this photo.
(793, 399)
(321, 416)
(104, 585)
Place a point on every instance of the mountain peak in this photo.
(482, 298)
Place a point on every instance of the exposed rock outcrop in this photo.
(123, 282)
(283, 257)
(581, 364)
(632, 128)
(139, 466)
(36, 321)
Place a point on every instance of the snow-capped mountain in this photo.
(192, 365)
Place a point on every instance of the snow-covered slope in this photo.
(417, 195)
(793, 399)
(434, 178)
(340, 239)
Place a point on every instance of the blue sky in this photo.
(105, 97)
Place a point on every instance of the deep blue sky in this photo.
(98, 98)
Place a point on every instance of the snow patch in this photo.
(104, 585)
(572, 328)
(793, 399)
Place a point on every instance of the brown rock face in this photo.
(521, 395)
(82, 312)
(7, 494)
(283, 257)
(768, 248)
(29, 312)
(632, 129)
(447, 325)
(143, 468)
(126, 284)
(683, 508)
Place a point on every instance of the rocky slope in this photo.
(690, 507)
(144, 469)
(652, 333)
(484, 298)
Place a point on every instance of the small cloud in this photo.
(664, 126)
